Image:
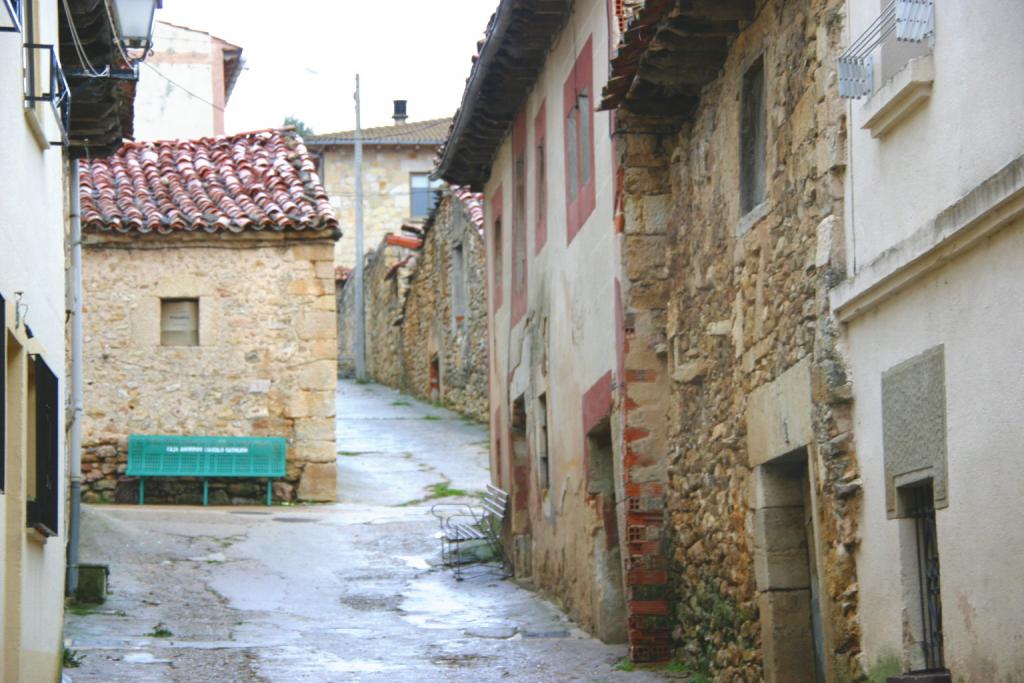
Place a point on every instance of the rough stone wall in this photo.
(409, 316)
(344, 298)
(385, 284)
(264, 366)
(386, 195)
(745, 304)
(385, 292)
(431, 328)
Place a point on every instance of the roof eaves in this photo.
(480, 123)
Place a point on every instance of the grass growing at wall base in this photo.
(71, 659)
(624, 665)
(887, 665)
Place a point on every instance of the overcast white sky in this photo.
(302, 56)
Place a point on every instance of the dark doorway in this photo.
(522, 539)
(435, 378)
(787, 571)
(610, 607)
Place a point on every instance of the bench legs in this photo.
(206, 491)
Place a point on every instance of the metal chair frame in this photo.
(461, 523)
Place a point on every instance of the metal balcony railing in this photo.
(56, 93)
(911, 20)
(14, 13)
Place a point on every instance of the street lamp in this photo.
(135, 22)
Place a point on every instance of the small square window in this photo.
(179, 322)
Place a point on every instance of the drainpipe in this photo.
(76, 381)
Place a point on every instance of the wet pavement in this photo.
(342, 592)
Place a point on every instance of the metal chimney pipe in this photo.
(400, 116)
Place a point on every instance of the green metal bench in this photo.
(205, 456)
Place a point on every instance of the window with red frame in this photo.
(541, 172)
(578, 114)
(519, 265)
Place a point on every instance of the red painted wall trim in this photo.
(597, 402)
(496, 251)
(581, 76)
(540, 126)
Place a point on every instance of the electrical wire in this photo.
(181, 87)
(113, 32)
(90, 70)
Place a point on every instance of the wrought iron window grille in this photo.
(911, 20)
(14, 12)
(57, 93)
(922, 511)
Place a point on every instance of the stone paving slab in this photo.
(342, 592)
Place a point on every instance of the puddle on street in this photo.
(431, 603)
(414, 561)
(319, 661)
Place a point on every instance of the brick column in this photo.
(642, 399)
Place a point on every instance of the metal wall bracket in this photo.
(911, 20)
(15, 11)
(57, 92)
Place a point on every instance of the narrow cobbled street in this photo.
(341, 592)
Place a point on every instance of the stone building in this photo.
(209, 308)
(933, 322)
(528, 137)
(731, 148)
(397, 161)
(671, 408)
(204, 69)
(426, 313)
(44, 131)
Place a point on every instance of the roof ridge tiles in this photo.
(232, 183)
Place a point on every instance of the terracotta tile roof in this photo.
(474, 202)
(251, 181)
(431, 132)
(669, 51)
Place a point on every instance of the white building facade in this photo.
(185, 84)
(933, 326)
(32, 225)
(548, 179)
